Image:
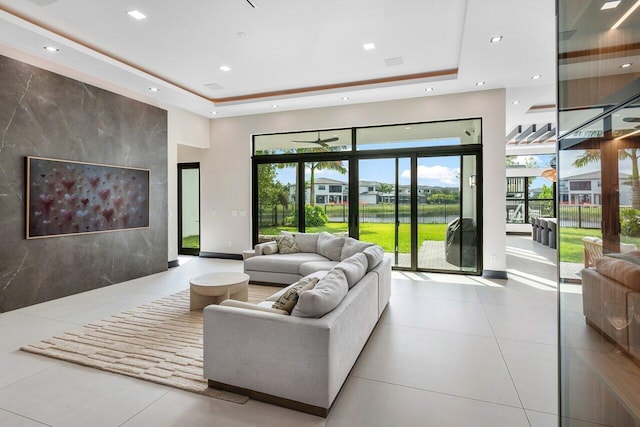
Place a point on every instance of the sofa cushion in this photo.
(249, 306)
(354, 268)
(313, 266)
(269, 248)
(353, 246)
(289, 299)
(374, 255)
(289, 263)
(330, 246)
(286, 243)
(616, 267)
(306, 242)
(324, 297)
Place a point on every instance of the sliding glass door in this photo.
(413, 189)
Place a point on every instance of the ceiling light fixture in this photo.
(345, 98)
(496, 39)
(214, 112)
(224, 68)
(626, 15)
(241, 34)
(627, 65)
(429, 89)
(610, 5)
(274, 105)
(516, 102)
(154, 89)
(536, 77)
(369, 46)
(137, 14)
(51, 49)
(481, 83)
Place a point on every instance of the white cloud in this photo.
(438, 173)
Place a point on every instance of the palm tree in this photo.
(593, 156)
(385, 189)
(335, 165)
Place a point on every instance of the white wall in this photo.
(226, 166)
(183, 128)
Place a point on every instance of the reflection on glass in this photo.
(303, 142)
(420, 135)
(276, 199)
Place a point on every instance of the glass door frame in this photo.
(182, 250)
(352, 157)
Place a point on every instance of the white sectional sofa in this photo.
(293, 361)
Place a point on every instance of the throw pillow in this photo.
(353, 246)
(354, 268)
(374, 256)
(286, 243)
(307, 242)
(330, 246)
(289, 299)
(324, 297)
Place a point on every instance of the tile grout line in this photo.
(28, 418)
(143, 409)
(506, 365)
(438, 392)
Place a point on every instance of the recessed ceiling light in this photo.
(496, 39)
(214, 112)
(627, 65)
(241, 34)
(536, 77)
(516, 102)
(154, 89)
(429, 89)
(481, 83)
(51, 49)
(610, 5)
(224, 68)
(274, 105)
(369, 46)
(407, 128)
(137, 14)
(345, 98)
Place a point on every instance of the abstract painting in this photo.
(67, 197)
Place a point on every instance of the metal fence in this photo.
(580, 216)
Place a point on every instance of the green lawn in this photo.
(191, 242)
(379, 233)
(571, 248)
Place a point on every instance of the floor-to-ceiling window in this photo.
(599, 224)
(414, 189)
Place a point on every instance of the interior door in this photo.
(189, 208)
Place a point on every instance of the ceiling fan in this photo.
(321, 142)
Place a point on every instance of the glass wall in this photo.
(599, 219)
(414, 189)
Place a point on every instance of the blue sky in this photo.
(435, 171)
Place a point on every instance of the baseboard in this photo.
(274, 400)
(494, 274)
(173, 263)
(518, 233)
(220, 255)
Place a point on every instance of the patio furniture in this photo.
(593, 249)
(535, 229)
(552, 224)
(544, 231)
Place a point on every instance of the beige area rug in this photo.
(160, 342)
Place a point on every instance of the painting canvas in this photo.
(66, 197)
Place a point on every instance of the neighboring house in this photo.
(586, 188)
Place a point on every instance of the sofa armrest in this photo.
(266, 352)
(260, 247)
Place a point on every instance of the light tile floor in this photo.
(449, 351)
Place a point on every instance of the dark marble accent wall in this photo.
(48, 115)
